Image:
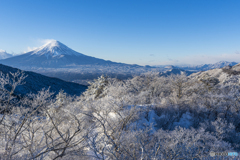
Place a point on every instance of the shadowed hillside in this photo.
(35, 82)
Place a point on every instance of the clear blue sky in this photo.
(145, 32)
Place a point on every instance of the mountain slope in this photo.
(35, 82)
(227, 75)
(52, 55)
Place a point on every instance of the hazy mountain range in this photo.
(197, 68)
(205, 67)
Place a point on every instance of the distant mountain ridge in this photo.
(202, 67)
(205, 67)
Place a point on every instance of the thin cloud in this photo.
(31, 48)
(151, 61)
(45, 41)
(40, 42)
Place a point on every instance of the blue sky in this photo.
(145, 32)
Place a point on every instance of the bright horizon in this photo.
(134, 32)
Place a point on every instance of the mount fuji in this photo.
(52, 55)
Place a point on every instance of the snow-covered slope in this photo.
(52, 55)
(225, 75)
(4, 54)
(54, 48)
(216, 73)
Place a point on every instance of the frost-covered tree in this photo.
(146, 117)
(96, 88)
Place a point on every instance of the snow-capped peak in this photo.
(51, 44)
(4, 54)
(54, 48)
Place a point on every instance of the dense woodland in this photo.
(146, 117)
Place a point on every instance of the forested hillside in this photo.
(35, 82)
(146, 117)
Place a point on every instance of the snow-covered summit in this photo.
(55, 48)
